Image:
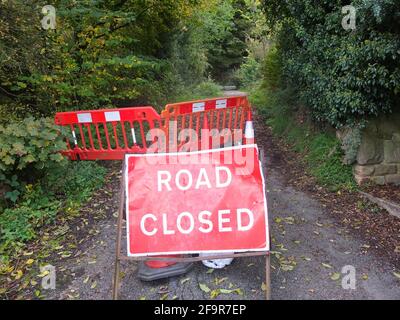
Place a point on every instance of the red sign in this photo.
(191, 202)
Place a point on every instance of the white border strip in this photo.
(112, 116)
(84, 117)
(221, 104)
(247, 146)
(198, 106)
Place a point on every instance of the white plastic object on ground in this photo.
(217, 263)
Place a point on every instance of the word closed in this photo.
(196, 206)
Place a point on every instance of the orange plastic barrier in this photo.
(109, 134)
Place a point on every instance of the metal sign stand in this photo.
(119, 257)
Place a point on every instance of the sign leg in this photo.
(119, 232)
(268, 276)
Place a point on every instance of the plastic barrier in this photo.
(107, 134)
(111, 133)
(226, 115)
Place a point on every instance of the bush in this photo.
(272, 69)
(321, 151)
(65, 185)
(248, 74)
(344, 77)
(205, 89)
(27, 147)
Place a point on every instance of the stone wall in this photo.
(378, 157)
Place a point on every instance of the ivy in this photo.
(344, 77)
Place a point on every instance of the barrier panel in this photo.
(107, 134)
(111, 133)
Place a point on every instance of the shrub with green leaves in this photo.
(321, 151)
(30, 142)
(65, 185)
(248, 74)
(26, 147)
(344, 76)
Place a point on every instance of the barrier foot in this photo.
(146, 273)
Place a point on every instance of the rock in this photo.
(383, 169)
(370, 151)
(380, 180)
(364, 170)
(393, 178)
(392, 151)
(396, 137)
(361, 179)
(387, 126)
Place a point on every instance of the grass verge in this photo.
(320, 150)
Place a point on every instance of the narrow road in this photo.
(310, 248)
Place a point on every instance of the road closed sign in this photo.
(192, 202)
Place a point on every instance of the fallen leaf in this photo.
(335, 276)
(164, 296)
(43, 274)
(364, 276)
(397, 275)
(226, 291)
(94, 285)
(218, 281)
(185, 280)
(210, 271)
(238, 291)
(86, 280)
(263, 286)
(29, 261)
(326, 265)
(19, 274)
(215, 293)
(204, 287)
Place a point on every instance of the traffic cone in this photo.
(249, 129)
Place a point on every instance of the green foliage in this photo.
(228, 41)
(30, 142)
(248, 74)
(102, 53)
(344, 77)
(67, 184)
(321, 151)
(272, 69)
(205, 89)
(84, 177)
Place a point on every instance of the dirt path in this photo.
(310, 249)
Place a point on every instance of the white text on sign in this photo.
(186, 222)
(184, 179)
